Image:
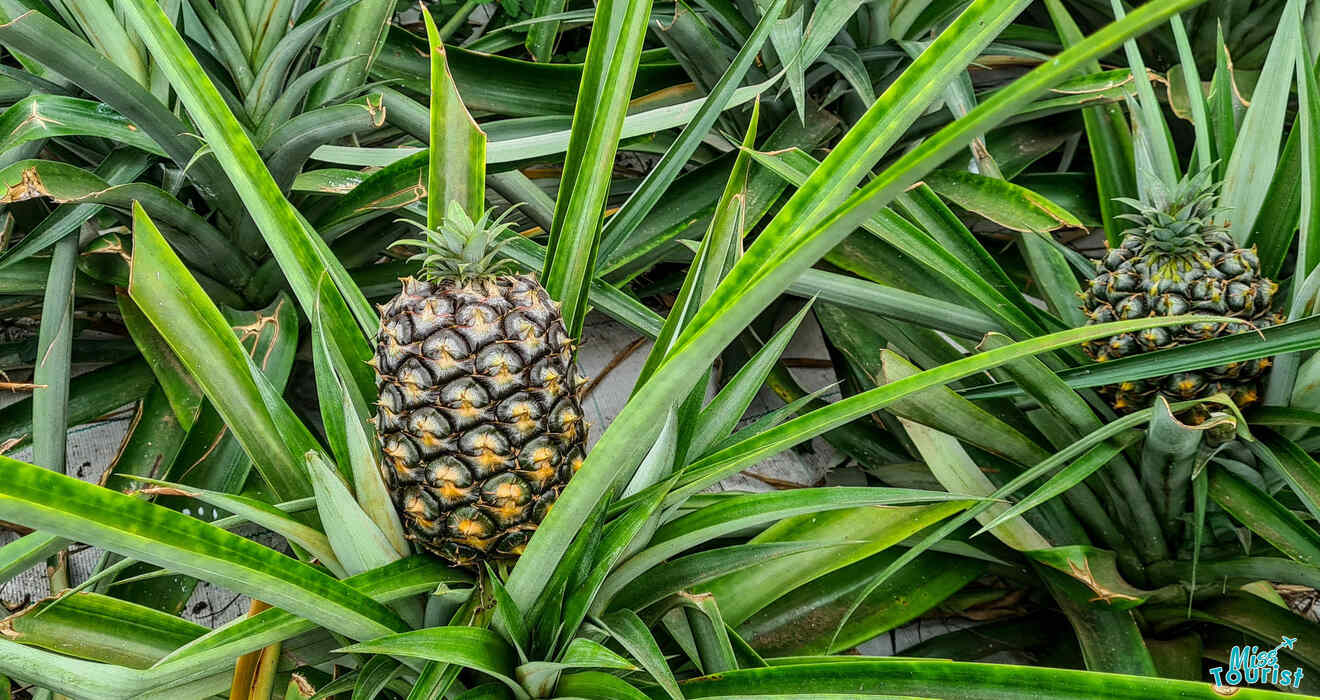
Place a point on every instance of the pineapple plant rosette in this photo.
(479, 416)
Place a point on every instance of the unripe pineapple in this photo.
(479, 415)
(1178, 260)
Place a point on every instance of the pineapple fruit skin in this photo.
(479, 417)
(1214, 278)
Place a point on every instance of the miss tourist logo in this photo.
(1249, 665)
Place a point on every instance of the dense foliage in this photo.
(1064, 259)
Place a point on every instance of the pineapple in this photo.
(479, 416)
(1178, 260)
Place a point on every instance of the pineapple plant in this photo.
(1177, 259)
(479, 416)
(639, 578)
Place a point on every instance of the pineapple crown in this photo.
(461, 248)
(1179, 218)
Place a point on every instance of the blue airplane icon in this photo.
(1288, 642)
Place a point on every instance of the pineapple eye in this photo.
(543, 505)
(414, 393)
(449, 470)
(387, 421)
(506, 487)
(445, 347)
(415, 287)
(468, 522)
(400, 326)
(533, 343)
(478, 323)
(1155, 337)
(470, 527)
(508, 491)
(464, 393)
(392, 351)
(1121, 345)
(575, 461)
(515, 542)
(564, 416)
(390, 399)
(518, 407)
(453, 495)
(400, 448)
(539, 454)
(428, 422)
(1103, 314)
(1185, 384)
(1172, 305)
(434, 308)
(429, 318)
(550, 380)
(499, 369)
(412, 372)
(417, 502)
(543, 455)
(486, 438)
(517, 325)
(1132, 307)
(1240, 297)
(540, 477)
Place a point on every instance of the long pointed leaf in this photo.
(607, 79)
